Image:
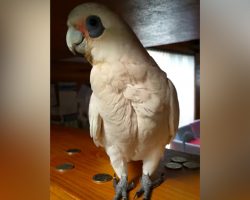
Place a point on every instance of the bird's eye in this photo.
(93, 21)
(94, 26)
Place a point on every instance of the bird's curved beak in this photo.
(75, 41)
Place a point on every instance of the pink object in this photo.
(195, 126)
(195, 141)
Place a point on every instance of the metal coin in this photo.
(173, 165)
(64, 167)
(101, 178)
(73, 151)
(179, 159)
(191, 165)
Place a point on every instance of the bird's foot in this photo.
(148, 186)
(122, 188)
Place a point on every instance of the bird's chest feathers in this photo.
(115, 109)
(108, 79)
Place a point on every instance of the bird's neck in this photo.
(123, 46)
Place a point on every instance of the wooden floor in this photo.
(77, 183)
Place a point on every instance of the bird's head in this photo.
(97, 33)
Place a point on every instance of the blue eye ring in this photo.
(94, 26)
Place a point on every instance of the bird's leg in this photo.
(119, 165)
(122, 188)
(150, 164)
(148, 186)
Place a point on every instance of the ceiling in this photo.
(165, 24)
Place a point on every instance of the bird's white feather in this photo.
(95, 122)
(134, 108)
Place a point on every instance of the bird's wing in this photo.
(95, 122)
(150, 98)
(174, 112)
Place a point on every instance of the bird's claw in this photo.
(138, 193)
(147, 186)
(122, 188)
(158, 181)
(131, 186)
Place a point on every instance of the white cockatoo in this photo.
(134, 110)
